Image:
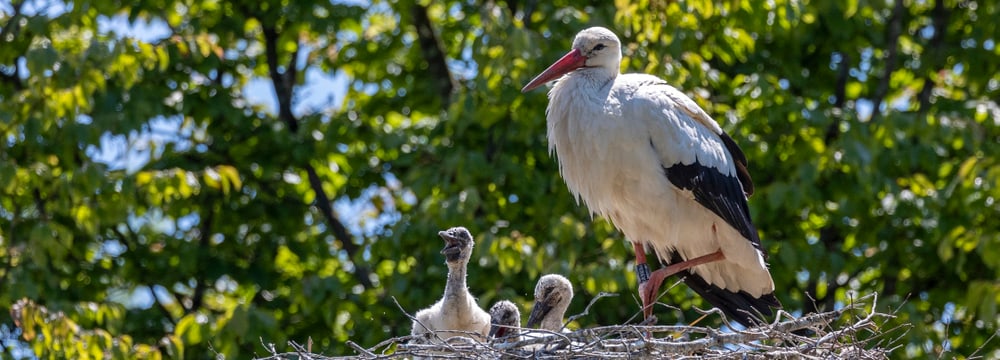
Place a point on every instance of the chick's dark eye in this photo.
(599, 47)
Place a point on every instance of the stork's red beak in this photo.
(569, 62)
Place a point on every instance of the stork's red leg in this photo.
(642, 273)
(649, 291)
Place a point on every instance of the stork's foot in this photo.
(649, 291)
(649, 321)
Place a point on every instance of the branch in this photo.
(529, 8)
(10, 30)
(129, 248)
(840, 93)
(940, 16)
(8, 264)
(14, 23)
(39, 202)
(586, 310)
(163, 308)
(339, 231)
(204, 231)
(283, 82)
(892, 48)
(283, 87)
(430, 45)
(832, 239)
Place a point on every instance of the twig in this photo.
(360, 349)
(586, 310)
(472, 335)
(892, 49)
(415, 320)
(268, 346)
(301, 351)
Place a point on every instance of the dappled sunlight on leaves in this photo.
(157, 211)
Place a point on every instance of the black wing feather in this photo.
(742, 172)
(739, 306)
(720, 193)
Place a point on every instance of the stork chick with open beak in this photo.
(505, 319)
(457, 313)
(648, 158)
(458, 244)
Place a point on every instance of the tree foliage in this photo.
(872, 129)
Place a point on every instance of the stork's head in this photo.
(504, 317)
(595, 47)
(458, 244)
(553, 294)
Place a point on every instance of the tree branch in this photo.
(39, 203)
(204, 233)
(529, 8)
(14, 23)
(892, 50)
(283, 83)
(10, 30)
(283, 86)
(832, 239)
(940, 17)
(128, 250)
(338, 228)
(840, 93)
(163, 308)
(433, 52)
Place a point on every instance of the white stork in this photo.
(648, 158)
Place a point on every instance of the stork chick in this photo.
(457, 313)
(505, 319)
(552, 296)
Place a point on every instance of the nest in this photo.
(860, 335)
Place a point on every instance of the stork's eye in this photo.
(599, 47)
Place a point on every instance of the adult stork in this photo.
(648, 158)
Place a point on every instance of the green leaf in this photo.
(189, 330)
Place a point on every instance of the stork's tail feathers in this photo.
(739, 306)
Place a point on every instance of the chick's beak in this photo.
(538, 312)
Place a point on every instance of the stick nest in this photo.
(856, 331)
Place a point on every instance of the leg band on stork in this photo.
(650, 282)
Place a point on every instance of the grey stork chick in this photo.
(505, 319)
(457, 313)
(553, 294)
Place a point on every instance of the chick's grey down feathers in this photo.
(553, 294)
(505, 319)
(457, 313)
